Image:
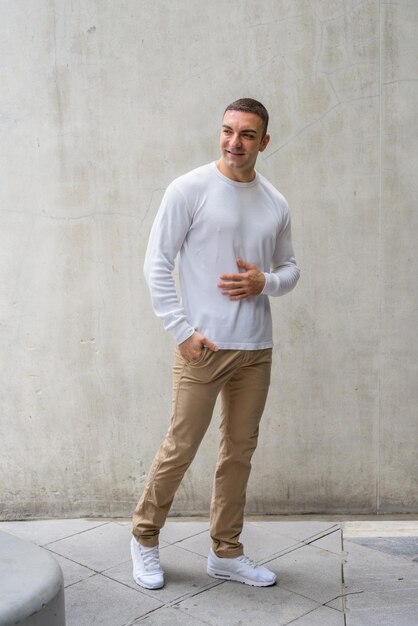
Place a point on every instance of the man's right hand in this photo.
(191, 349)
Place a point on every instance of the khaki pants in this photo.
(242, 377)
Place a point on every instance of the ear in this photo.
(264, 142)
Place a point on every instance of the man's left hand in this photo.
(244, 285)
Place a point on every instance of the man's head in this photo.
(248, 105)
(243, 136)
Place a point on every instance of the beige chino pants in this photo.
(242, 377)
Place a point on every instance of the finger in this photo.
(245, 265)
(235, 294)
(234, 289)
(242, 296)
(236, 277)
(209, 344)
(230, 285)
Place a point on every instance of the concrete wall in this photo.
(102, 104)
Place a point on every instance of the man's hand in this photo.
(191, 349)
(243, 285)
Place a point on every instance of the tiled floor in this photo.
(329, 574)
(381, 576)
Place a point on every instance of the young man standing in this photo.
(230, 229)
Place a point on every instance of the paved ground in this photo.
(329, 574)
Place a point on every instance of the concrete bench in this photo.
(31, 585)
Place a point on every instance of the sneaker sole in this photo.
(145, 585)
(238, 579)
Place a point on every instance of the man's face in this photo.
(240, 142)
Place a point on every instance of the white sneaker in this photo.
(147, 570)
(240, 569)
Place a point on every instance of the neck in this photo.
(237, 176)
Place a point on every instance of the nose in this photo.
(235, 140)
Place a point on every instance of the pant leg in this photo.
(195, 389)
(243, 401)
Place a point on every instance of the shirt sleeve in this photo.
(168, 233)
(284, 273)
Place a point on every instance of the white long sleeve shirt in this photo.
(207, 221)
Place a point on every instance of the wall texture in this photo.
(102, 104)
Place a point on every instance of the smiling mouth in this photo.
(235, 153)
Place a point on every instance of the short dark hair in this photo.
(248, 105)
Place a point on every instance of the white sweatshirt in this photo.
(209, 221)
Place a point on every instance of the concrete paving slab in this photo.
(399, 617)
(302, 531)
(43, 532)
(370, 611)
(401, 597)
(169, 617)
(406, 547)
(380, 528)
(261, 541)
(235, 604)
(98, 549)
(381, 577)
(73, 572)
(310, 572)
(338, 604)
(368, 570)
(175, 531)
(103, 602)
(198, 544)
(331, 542)
(323, 616)
(382, 588)
(387, 619)
(185, 575)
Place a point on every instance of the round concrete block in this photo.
(31, 585)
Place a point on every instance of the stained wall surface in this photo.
(102, 105)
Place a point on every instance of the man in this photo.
(231, 231)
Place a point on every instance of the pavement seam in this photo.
(77, 582)
(325, 605)
(175, 603)
(318, 536)
(201, 532)
(145, 617)
(312, 611)
(187, 596)
(95, 571)
(80, 532)
(308, 542)
(44, 545)
(301, 544)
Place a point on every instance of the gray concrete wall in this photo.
(102, 104)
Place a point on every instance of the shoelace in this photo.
(151, 558)
(246, 561)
